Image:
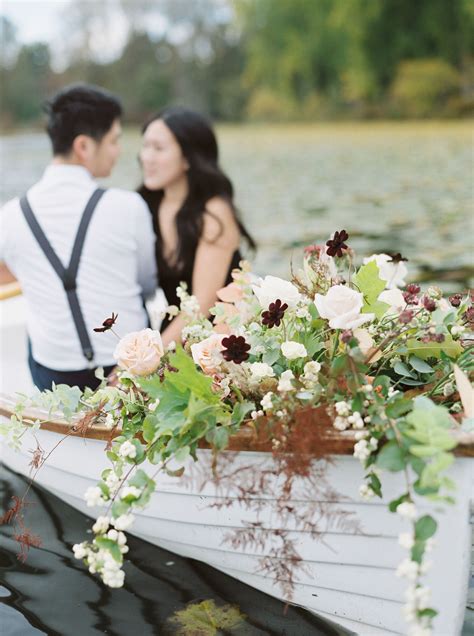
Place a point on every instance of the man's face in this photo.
(104, 153)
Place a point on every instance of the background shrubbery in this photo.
(271, 60)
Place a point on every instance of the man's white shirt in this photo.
(117, 267)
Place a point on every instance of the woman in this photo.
(197, 228)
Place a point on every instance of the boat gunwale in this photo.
(246, 439)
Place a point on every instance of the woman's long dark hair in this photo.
(206, 180)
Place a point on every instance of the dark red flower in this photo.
(274, 315)
(346, 336)
(429, 304)
(396, 258)
(406, 316)
(337, 243)
(236, 349)
(410, 299)
(434, 337)
(469, 315)
(107, 324)
(413, 288)
(455, 300)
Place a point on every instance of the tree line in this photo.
(267, 60)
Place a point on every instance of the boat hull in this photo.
(348, 576)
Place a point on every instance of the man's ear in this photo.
(83, 147)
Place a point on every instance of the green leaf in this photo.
(419, 365)
(221, 438)
(241, 409)
(401, 368)
(425, 528)
(417, 551)
(399, 407)
(375, 484)
(391, 457)
(368, 281)
(429, 612)
(425, 350)
(111, 546)
(182, 454)
(271, 356)
(393, 505)
(149, 428)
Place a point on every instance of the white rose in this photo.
(393, 298)
(293, 350)
(342, 306)
(140, 352)
(285, 383)
(272, 288)
(391, 272)
(261, 370)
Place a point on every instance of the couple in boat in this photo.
(81, 251)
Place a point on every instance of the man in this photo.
(79, 252)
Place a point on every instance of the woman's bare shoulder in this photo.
(219, 222)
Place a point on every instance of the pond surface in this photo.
(400, 187)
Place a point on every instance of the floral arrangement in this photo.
(387, 362)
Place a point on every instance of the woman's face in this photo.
(161, 157)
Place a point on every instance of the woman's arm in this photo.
(220, 238)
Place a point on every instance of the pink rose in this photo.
(231, 293)
(207, 353)
(140, 352)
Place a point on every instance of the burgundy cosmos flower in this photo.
(274, 315)
(107, 324)
(396, 258)
(236, 349)
(337, 243)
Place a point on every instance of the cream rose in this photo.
(391, 272)
(293, 350)
(140, 352)
(342, 307)
(272, 288)
(208, 353)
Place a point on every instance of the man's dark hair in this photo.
(80, 109)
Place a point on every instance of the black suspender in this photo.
(68, 276)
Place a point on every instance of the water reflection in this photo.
(53, 593)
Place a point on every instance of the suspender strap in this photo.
(68, 276)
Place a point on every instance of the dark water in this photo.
(53, 593)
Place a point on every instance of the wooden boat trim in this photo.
(247, 439)
(10, 290)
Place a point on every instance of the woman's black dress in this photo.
(169, 277)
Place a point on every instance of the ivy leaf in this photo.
(241, 409)
(371, 285)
